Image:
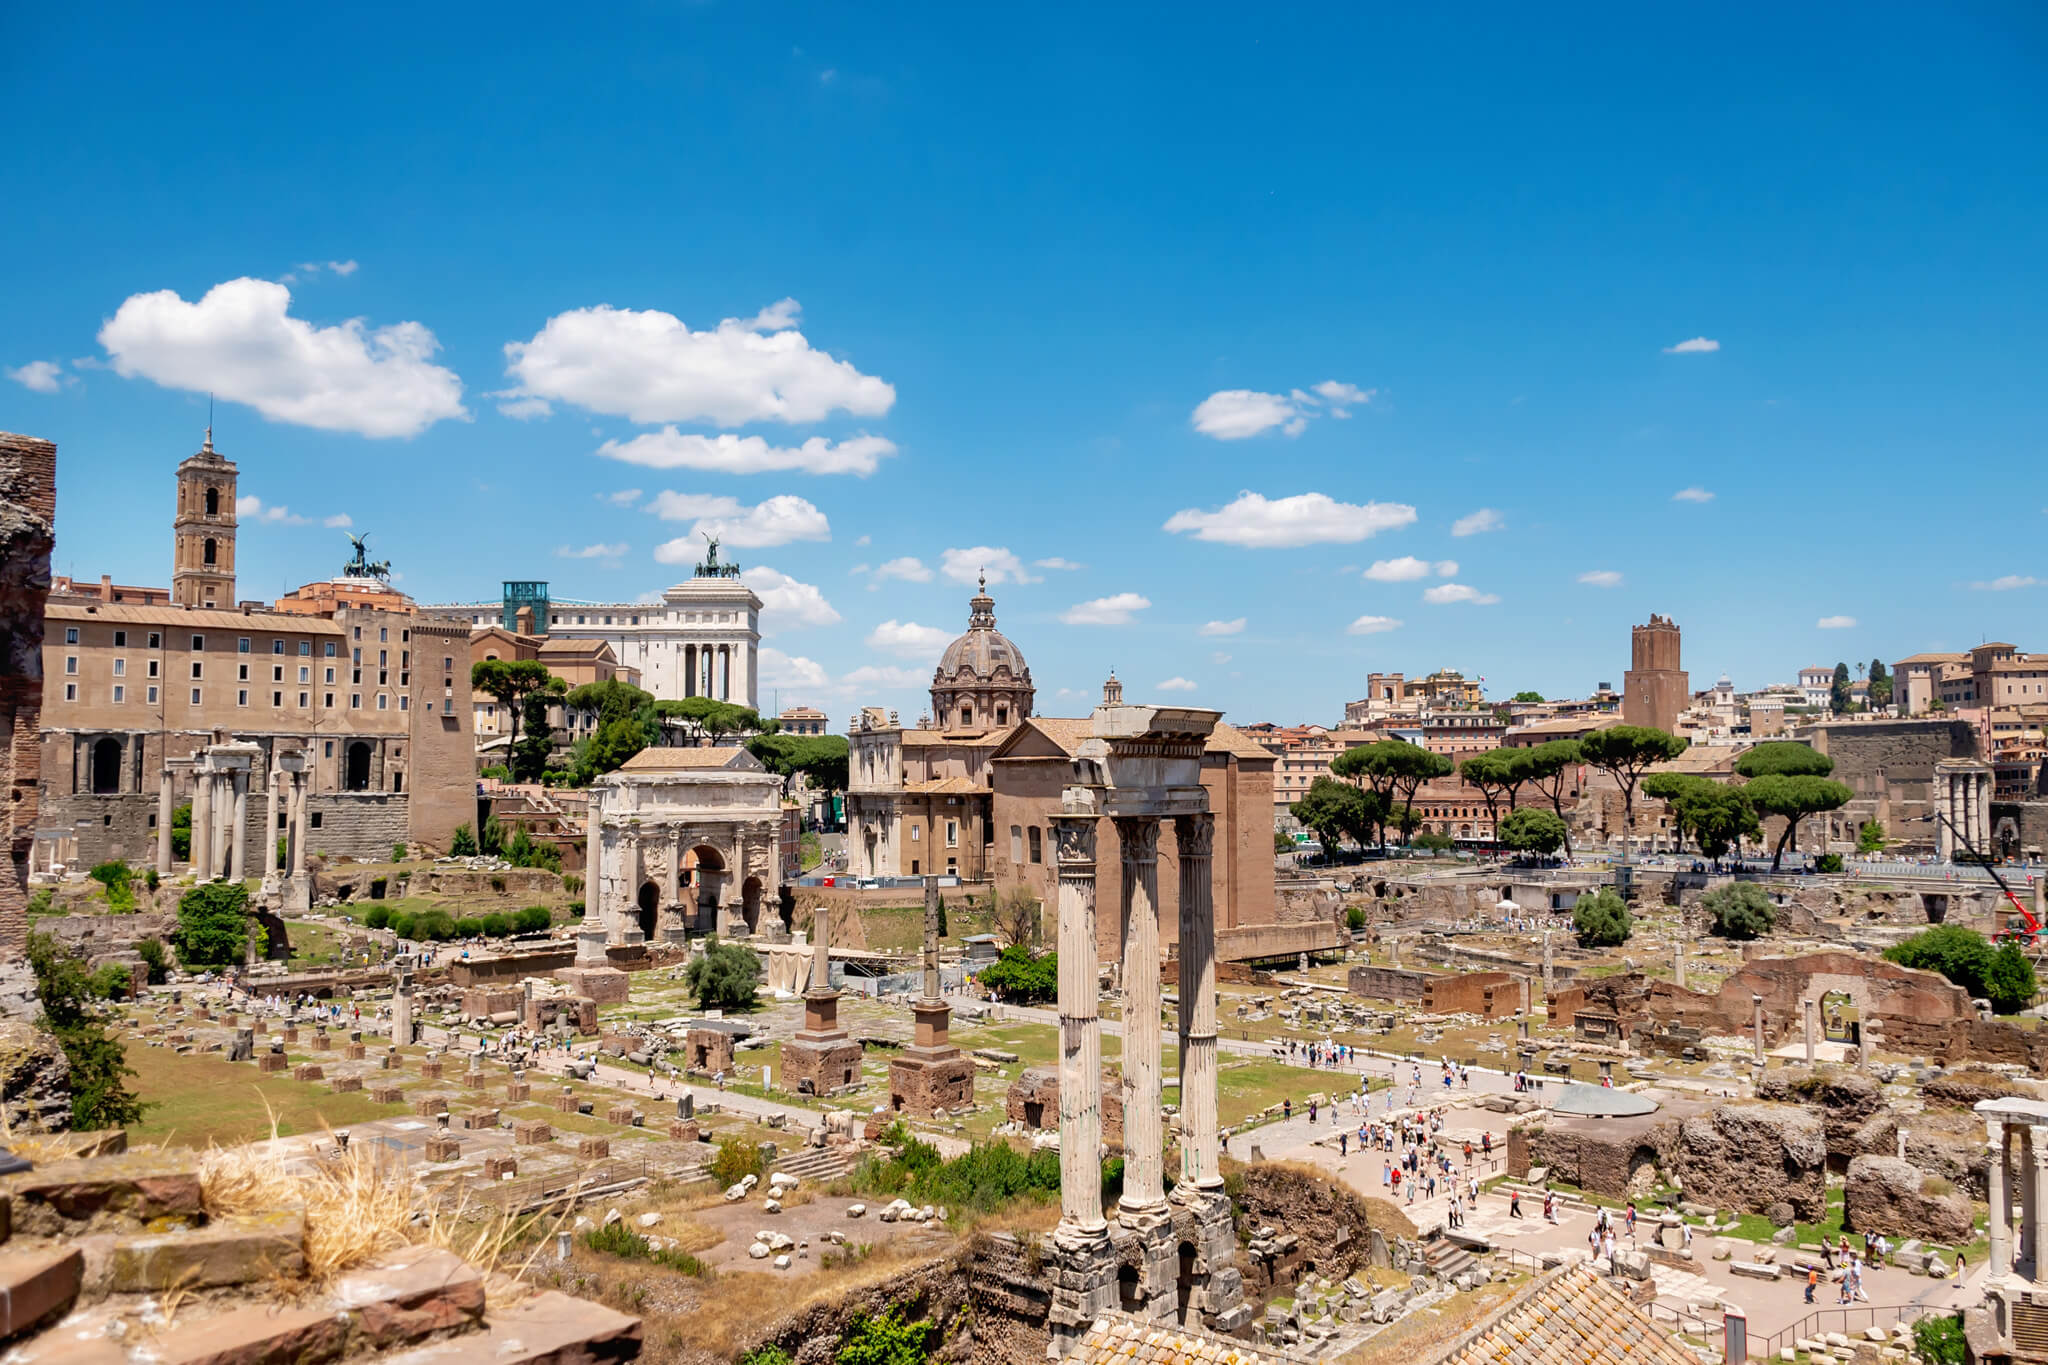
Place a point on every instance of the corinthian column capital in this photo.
(1138, 836)
(1195, 834)
(1074, 840)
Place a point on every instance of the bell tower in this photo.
(203, 535)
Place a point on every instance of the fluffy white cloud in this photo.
(339, 521)
(967, 566)
(1304, 519)
(611, 554)
(775, 521)
(1176, 685)
(785, 601)
(1444, 593)
(908, 568)
(1235, 626)
(729, 454)
(1058, 564)
(1693, 494)
(1406, 569)
(1696, 346)
(240, 342)
(315, 267)
(1601, 578)
(251, 508)
(2007, 583)
(650, 367)
(1234, 414)
(39, 376)
(793, 671)
(625, 497)
(909, 640)
(1836, 623)
(1116, 610)
(1478, 523)
(1372, 625)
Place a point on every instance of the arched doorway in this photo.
(1184, 1283)
(106, 766)
(1128, 1293)
(649, 901)
(357, 776)
(750, 903)
(704, 873)
(212, 504)
(1840, 1019)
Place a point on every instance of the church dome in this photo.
(982, 678)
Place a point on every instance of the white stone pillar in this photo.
(1200, 1154)
(1756, 1007)
(238, 836)
(2036, 1177)
(1080, 1029)
(590, 936)
(163, 823)
(202, 823)
(1811, 1008)
(299, 827)
(1678, 962)
(270, 804)
(1144, 1126)
(2000, 1221)
(2023, 1177)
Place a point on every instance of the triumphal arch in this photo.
(686, 841)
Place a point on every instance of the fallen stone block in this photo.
(444, 1149)
(1753, 1270)
(498, 1167)
(593, 1148)
(532, 1133)
(308, 1072)
(248, 1250)
(410, 1295)
(36, 1285)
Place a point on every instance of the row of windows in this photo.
(355, 699)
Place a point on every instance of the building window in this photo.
(302, 699)
(156, 641)
(305, 648)
(1037, 847)
(330, 676)
(402, 703)
(330, 649)
(241, 672)
(913, 834)
(383, 634)
(71, 691)
(196, 669)
(381, 699)
(327, 699)
(355, 701)
(71, 635)
(71, 663)
(241, 696)
(277, 672)
(152, 696)
(198, 643)
(242, 645)
(327, 750)
(314, 816)
(952, 834)
(195, 696)
(120, 692)
(305, 674)
(120, 639)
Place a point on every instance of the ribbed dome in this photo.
(983, 649)
(982, 677)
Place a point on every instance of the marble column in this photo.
(2000, 1221)
(1548, 970)
(1678, 963)
(821, 950)
(163, 824)
(270, 804)
(202, 823)
(1080, 1030)
(2023, 1175)
(2036, 1177)
(1811, 1009)
(1756, 1007)
(590, 935)
(238, 834)
(1200, 1151)
(1144, 1126)
(931, 938)
(296, 821)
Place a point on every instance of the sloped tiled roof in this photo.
(1116, 1339)
(665, 759)
(1069, 733)
(1568, 1317)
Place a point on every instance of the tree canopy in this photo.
(511, 682)
(2001, 975)
(1532, 829)
(1838, 690)
(1714, 815)
(1337, 812)
(1625, 753)
(1527, 696)
(1395, 769)
(1021, 977)
(1601, 920)
(725, 977)
(626, 723)
(213, 925)
(1784, 758)
(1794, 798)
(1740, 910)
(1552, 767)
(1498, 774)
(712, 718)
(821, 759)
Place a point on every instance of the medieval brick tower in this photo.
(203, 553)
(1655, 691)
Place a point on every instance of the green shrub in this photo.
(1870, 837)
(1939, 1340)
(616, 1239)
(771, 1354)
(111, 982)
(985, 1177)
(398, 853)
(100, 1097)
(1601, 920)
(181, 833)
(154, 962)
(1021, 977)
(213, 925)
(491, 838)
(283, 850)
(43, 902)
(1828, 862)
(736, 1160)
(118, 880)
(1740, 910)
(1354, 917)
(884, 1338)
(462, 844)
(725, 977)
(378, 918)
(572, 883)
(150, 877)
(497, 926)
(2002, 975)
(533, 919)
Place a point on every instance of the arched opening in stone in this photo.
(649, 901)
(357, 776)
(106, 766)
(212, 550)
(1642, 1172)
(212, 505)
(750, 903)
(704, 873)
(1128, 1294)
(1840, 1020)
(1184, 1284)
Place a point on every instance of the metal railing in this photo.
(1844, 1319)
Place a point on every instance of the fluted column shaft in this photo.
(295, 820)
(1200, 1151)
(2036, 1176)
(270, 804)
(1144, 1124)
(202, 825)
(1080, 1029)
(163, 824)
(238, 835)
(2000, 1201)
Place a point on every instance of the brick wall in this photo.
(443, 757)
(28, 510)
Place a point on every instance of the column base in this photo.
(1146, 1238)
(1216, 1290)
(1082, 1267)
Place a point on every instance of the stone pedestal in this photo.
(517, 1092)
(532, 1133)
(822, 1057)
(593, 1149)
(270, 1063)
(386, 1094)
(931, 1074)
(443, 1149)
(347, 1085)
(605, 985)
(499, 1167)
(1081, 1267)
(1217, 1286)
(308, 1072)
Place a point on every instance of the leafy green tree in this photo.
(710, 718)
(181, 833)
(119, 880)
(1553, 768)
(100, 1097)
(1870, 837)
(213, 925)
(1532, 829)
(819, 759)
(1021, 977)
(2009, 982)
(725, 977)
(1784, 758)
(1395, 770)
(462, 844)
(1281, 843)
(1838, 690)
(1714, 815)
(1354, 917)
(511, 682)
(1336, 811)
(1962, 955)
(1740, 910)
(1625, 753)
(884, 1338)
(1793, 799)
(1499, 774)
(1527, 696)
(156, 966)
(532, 920)
(1601, 920)
(529, 755)
(1432, 842)
(626, 723)
(1880, 684)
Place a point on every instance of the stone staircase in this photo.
(1445, 1257)
(114, 1261)
(815, 1164)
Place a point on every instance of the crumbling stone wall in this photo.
(1751, 1156)
(28, 512)
(1334, 1226)
(1885, 1194)
(1034, 1101)
(1847, 1100)
(1615, 1159)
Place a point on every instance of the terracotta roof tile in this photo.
(1569, 1317)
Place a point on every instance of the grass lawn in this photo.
(314, 945)
(900, 928)
(202, 1099)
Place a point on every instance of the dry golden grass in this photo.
(731, 1320)
(357, 1204)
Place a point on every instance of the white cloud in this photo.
(1234, 626)
(39, 376)
(966, 566)
(251, 508)
(625, 497)
(785, 601)
(1372, 625)
(729, 454)
(609, 554)
(909, 640)
(1304, 519)
(1446, 568)
(650, 367)
(1403, 570)
(1234, 414)
(1175, 685)
(1115, 610)
(880, 677)
(339, 521)
(315, 267)
(793, 671)
(1444, 593)
(1836, 623)
(1057, 563)
(342, 267)
(1696, 346)
(863, 540)
(1478, 523)
(1219, 658)
(241, 343)
(1601, 578)
(775, 521)
(1693, 494)
(2007, 583)
(907, 568)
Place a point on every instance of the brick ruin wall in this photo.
(28, 513)
(122, 826)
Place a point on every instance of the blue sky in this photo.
(1213, 315)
